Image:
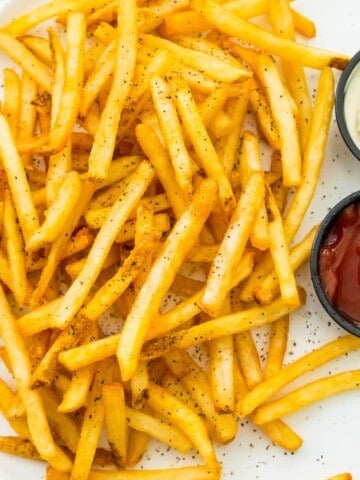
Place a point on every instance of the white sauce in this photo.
(352, 105)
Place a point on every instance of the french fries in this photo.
(143, 239)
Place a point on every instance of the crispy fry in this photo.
(307, 394)
(105, 137)
(314, 154)
(116, 421)
(202, 143)
(232, 247)
(11, 101)
(19, 186)
(220, 326)
(171, 131)
(157, 428)
(287, 374)
(233, 25)
(15, 253)
(147, 304)
(341, 476)
(185, 419)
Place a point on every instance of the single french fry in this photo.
(38, 319)
(139, 386)
(23, 57)
(15, 253)
(27, 112)
(232, 247)
(221, 370)
(60, 162)
(211, 66)
(98, 77)
(277, 346)
(46, 11)
(159, 158)
(306, 363)
(282, 20)
(116, 421)
(39, 46)
(248, 358)
(147, 304)
(177, 473)
(186, 420)
(218, 327)
(250, 161)
(298, 254)
(307, 394)
(172, 134)
(281, 108)
(158, 429)
(280, 254)
(233, 25)
(11, 101)
(16, 176)
(105, 136)
(138, 444)
(263, 114)
(303, 25)
(314, 154)
(202, 144)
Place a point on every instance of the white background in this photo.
(330, 429)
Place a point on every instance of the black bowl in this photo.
(341, 318)
(341, 91)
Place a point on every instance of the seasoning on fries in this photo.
(137, 220)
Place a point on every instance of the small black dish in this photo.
(342, 91)
(325, 229)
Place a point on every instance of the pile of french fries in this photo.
(157, 159)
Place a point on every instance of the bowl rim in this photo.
(339, 104)
(343, 320)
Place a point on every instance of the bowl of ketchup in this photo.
(335, 263)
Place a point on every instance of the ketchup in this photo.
(339, 262)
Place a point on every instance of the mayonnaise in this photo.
(352, 105)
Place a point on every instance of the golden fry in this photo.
(307, 394)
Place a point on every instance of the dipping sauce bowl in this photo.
(347, 105)
(335, 263)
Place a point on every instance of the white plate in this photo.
(330, 429)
